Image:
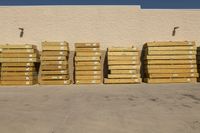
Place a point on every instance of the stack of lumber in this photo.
(123, 65)
(54, 63)
(18, 64)
(88, 63)
(170, 62)
(198, 62)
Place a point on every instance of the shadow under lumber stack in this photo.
(54, 64)
(88, 68)
(18, 64)
(198, 62)
(123, 65)
(170, 62)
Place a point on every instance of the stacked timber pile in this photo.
(18, 64)
(198, 62)
(54, 63)
(88, 63)
(170, 62)
(123, 65)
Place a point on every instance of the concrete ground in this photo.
(144, 108)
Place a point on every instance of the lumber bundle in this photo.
(54, 63)
(198, 62)
(88, 68)
(123, 65)
(170, 62)
(18, 64)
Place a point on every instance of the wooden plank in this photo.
(17, 78)
(55, 43)
(48, 77)
(123, 76)
(151, 62)
(88, 54)
(171, 80)
(87, 73)
(16, 64)
(17, 82)
(123, 63)
(13, 55)
(175, 43)
(87, 45)
(55, 53)
(90, 77)
(88, 81)
(87, 49)
(124, 58)
(18, 51)
(54, 67)
(18, 73)
(55, 82)
(173, 48)
(123, 67)
(171, 71)
(87, 58)
(173, 57)
(54, 63)
(54, 48)
(80, 68)
(18, 69)
(174, 75)
(18, 60)
(171, 52)
(123, 53)
(96, 63)
(170, 66)
(124, 71)
(122, 49)
(54, 72)
(121, 81)
(53, 58)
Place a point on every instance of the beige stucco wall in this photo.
(109, 25)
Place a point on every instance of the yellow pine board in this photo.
(171, 80)
(44, 77)
(17, 82)
(15, 69)
(54, 72)
(55, 82)
(88, 68)
(87, 58)
(96, 63)
(173, 48)
(91, 77)
(18, 73)
(13, 55)
(54, 48)
(170, 43)
(174, 75)
(19, 60)
(87, 81)
(18, 51)
(87, 73)
(51, 58)
(17, 64)
(172, 71)
(16, 46)
(123, 76)
(54, 67)
(87, 49)
(123, 53)
(122, 49)
(87, 45)
(175, 57)
(123, 63)
(121, 81)
(124, 58)
(171, 52)
(54, 53)
(17, 78)
(124, 71)
(82, 54)
(123, 67)
(149, 62)
(170, 66)
(54, 62)
(53, 43)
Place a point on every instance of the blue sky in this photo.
(165, 4)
